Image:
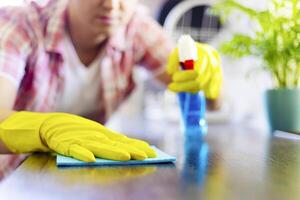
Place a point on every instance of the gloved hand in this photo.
(206, 76)
(69, 135)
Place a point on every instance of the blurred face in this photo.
(102, 16)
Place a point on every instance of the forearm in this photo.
(3, 115)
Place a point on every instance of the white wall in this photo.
(245, 92)
(11, 2)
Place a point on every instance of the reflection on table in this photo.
(230, 162)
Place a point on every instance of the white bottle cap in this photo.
(187, 48)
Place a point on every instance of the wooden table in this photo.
(233, 162)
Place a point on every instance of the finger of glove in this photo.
(113, 135)
(203, 67)
(214, 62)
(139, 144)
(210, 58)
(72, 149)
(189, 86)
(102, 140)
(135, 153)
(214, 85)
(201, 62)
(71, 135)
(186, 75)
(209, 67)
(81, 153)
(213, 55)
(214, 88)
(204, 78)
(107, 151)
(119, 138)
(173, 62)
(142, 145)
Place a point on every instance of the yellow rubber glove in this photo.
(206, 76)
(69, 135)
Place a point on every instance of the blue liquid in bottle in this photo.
(193, 109)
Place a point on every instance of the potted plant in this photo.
(275, 40)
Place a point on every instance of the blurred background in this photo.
(242, 99)
(244, 83)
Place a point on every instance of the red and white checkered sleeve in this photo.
(14, 48)
(152, 45)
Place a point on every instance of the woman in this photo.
(77, 56)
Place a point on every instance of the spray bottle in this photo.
(192, 105)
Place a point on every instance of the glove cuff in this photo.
(20, 132)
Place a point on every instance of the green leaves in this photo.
(239, 46)
(224, 9)
(276, 39)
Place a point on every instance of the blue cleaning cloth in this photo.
(63, 161)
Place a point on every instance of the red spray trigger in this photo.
(187, 65)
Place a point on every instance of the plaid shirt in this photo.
(31, 56)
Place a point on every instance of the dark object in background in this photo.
(199, 19)
(165, 9)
